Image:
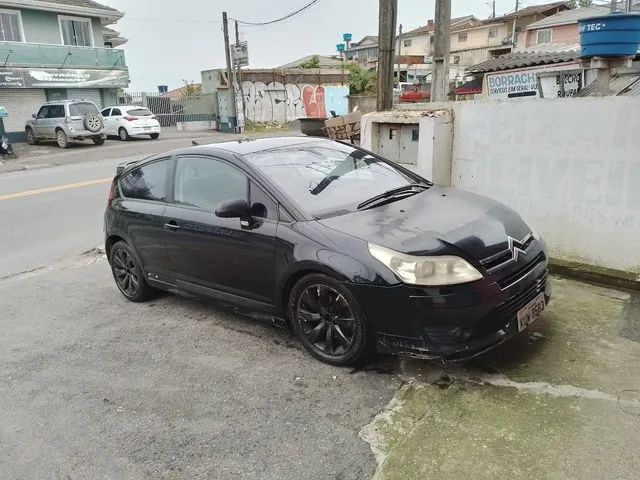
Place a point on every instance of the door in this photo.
(115, 122)
(219, 254)
(144, 192)
(39, 122)
(55, 116)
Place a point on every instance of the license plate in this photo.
(530, 312)
(147, 128)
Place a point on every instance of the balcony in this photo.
(14, 54)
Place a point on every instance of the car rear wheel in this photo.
(155, 136)
(31, 137)
(61, 138)
(123, 134)
(328, 320)
(128, 274)
(98, 140)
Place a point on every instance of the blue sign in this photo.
(340, 47)
(347, 37)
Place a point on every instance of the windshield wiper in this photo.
(394, 194)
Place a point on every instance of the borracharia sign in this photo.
(62, 78)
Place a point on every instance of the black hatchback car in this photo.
(352, 251)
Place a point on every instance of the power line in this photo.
(295, 12)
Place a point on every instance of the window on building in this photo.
(462, 37)
(148, 182)
(544, 36)
(76, 31)
(493, 32)
(407, 43)
(10, 26)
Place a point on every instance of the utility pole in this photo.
(513, 33)
(238, 87)
(399, 52)
(517, 5)
(493, 15)
(629, 5)
(441, 51)
(232, 99)
(387, 15)
(614, 5)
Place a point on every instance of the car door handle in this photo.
(173, 226)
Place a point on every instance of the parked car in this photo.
(66, 121)
(128, 121)
(352, 251)
(414, 93)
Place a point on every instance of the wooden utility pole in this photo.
(388, 12)
(232, 99)
(614, 5)
(629, 5)
(441, 51)
(493, 15)
(399, 52)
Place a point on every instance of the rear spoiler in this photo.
(123, 166)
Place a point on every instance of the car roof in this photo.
(124, 107)
(249, 146)
(62, 102)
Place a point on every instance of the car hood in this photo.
(438, 221)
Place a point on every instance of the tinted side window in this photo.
(205, 182)
(55, 111)
(105, 112)
(116, 112)
(261, 205)
(43, 112)
(148, 182)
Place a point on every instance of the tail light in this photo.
(153, 117)
(129, 118)
(112, 192)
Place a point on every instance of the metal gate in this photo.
(172, 109)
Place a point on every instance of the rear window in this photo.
(140, 112)
(83, 108)
(148, 182)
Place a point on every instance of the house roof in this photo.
(325, 62)
(568, 17)
(88, 7)
(372, 38)
(512, 60)
(430, 26)
(536, 9)
(623, 84)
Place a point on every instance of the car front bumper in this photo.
(448, 323)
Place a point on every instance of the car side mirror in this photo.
(33, 115)
(235, 209)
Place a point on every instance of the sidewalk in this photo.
(47, 154)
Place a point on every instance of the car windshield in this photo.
(140, 112)
(84, 108)
(329, 179)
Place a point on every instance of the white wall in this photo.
(571, 167)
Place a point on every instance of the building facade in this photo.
(55, 50)
(365, 52)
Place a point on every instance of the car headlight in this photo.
(432, 271)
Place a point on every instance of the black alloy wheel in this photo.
(128, 274)
(328, 320)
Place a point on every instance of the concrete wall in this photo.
(43, 27)
(420, 44)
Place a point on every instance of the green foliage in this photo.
(580, 3)
(313, 62)
(192, 88)
(361, 80)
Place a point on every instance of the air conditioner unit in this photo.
(456, 59)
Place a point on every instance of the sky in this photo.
(172, 41)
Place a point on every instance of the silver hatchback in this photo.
(66, 121)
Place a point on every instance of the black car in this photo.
(352, 251)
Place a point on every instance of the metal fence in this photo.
(172, 109)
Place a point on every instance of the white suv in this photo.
(128, 121)
(66, 121)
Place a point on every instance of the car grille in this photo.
(494, 321)
(519, 274)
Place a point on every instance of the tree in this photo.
(580, 3)
(192, 88)
(313, 62)
(361, 81)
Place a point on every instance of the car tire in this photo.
(128, 274)
(123, 134)
(62, 139)
(31, 136)
(98, 140)
(93, 123)
(154, 136)
(328, 320)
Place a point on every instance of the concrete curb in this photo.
(599, 275)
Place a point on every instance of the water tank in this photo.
(610, 36)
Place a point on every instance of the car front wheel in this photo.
(123, 134)
(128, 274)
(328, 320)
(31, 136)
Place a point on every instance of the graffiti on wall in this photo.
(277, 102)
